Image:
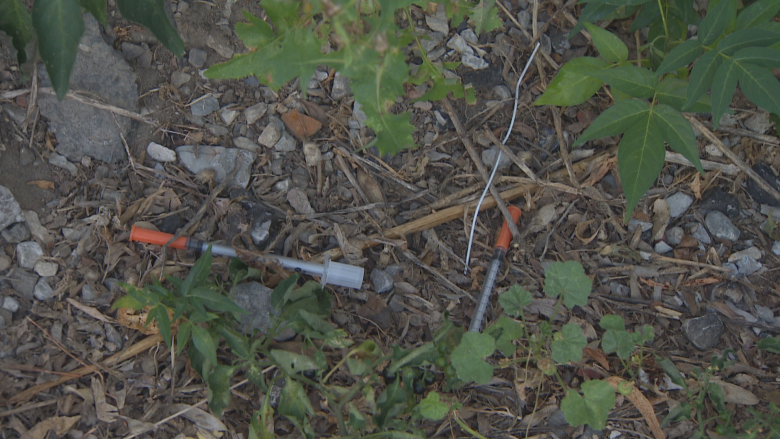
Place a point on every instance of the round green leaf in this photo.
(593, 408)
(514, 300)
(567, 279)
(568, 348)
(467, 358)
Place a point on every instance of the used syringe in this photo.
(502, 245)
(343, 275)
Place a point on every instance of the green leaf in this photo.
(215, 300)
(468, 357)
(673, 372)
(151, 13)
(620, 2)
(713, 25)
(618, 341)
(701, 76)
(283, 14)
(393, 131)
(680, 56)
(97, 8)
(357, 366)
(741, 39)
(432, 408)
(128, 302)
(294, 402)
(593, 408)
(219, 389)
(673, 92)
(16, 22)
(198, 273)
(337, 339)
(505, 331)
(514, 300)
(645, 335)
(648, 14)
(573, 84)
(677, 132)
(254, 33)
(237, 342)
(610, 47)
(356, 419)
(60, 25)
(615, 120)
(569, 344)
(613, 322)
(759, 56)
(567, 279)
(771, 344)
(761, 87)
(183, 336)
(292, 363)
(283, 290)
(640, 159)
(204, 344)
(591, 13)
(441, 87)
(485, 17)
(759, 12)
(632, 80)
(723, 87)
(391, 403)
(160, 314)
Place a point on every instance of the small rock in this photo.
(217, 130)
(396, 303)
(244, 143)
(205, 106)
(270, 135)
(46, 269)
(16, 233)
(502, 92)
(113, 335)
(759, 122)
(89, 294)
(717, 199)
(255, 112)
(10, 212)
(438, 22)
(752, 252)
(23, 281)
(633, 224)
(679, 203)
(160, 153)
(776, 248)
(469, 36)
(430, 40)
(197, 57)
(359, 115)
(721, 226)
(220, 44)
(703, 332)
(5, 263)
(61, 162)
(11, 304)
(299, 201)
(179, 78)
(233, 165)
(619, 289)
(675, 235)
(458, 44)
(340, 88)
(228, 115)
(28, 253)
(525, 20)
(283, 185)
(36, 229)
(131, 51)
(382, 281)
(42, 290)
(747, 265)
(474, 61)
(662, 247)
(286, 144)
(713, 151)
(489, 158)
(765, 314)
(698, 232)
(759, 195)
(256, 300)
(312, 153)
(74, 234)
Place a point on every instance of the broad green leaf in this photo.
(567, 279)
(632, 80)
(205, 344)
(316, 322)
(16, 22)
(151, 13)
(97, 8)
(183, 336)
(215, 300)
(593, 408)
(59, 25)
(713, 25)
(701, 76)
(771, 344)
(292, 363)
(294, 402)
(573, 84)
(677, 132)
(673, 91)
(485, 16)
(219, 389)
(514, 300)
(283, 14)
(610, 47)
(198, 273)
(591, 13)
(237, 342)
(255, 32)
(505, 331)
(282, 291)
(568, 344)
(391, 403)
(393, 131)
(160, 314)
(611, 321)
(615, 120)
(759, 56)
(128, 302)
(741, 39)
(723, 87)
(761, 87)
(640, 159)
(759, 12)
(468, 357)
(648, 14)
(618, 341)
(432, 408)
(685, 11)
(680, 56)
(441, 87)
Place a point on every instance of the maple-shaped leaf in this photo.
(485, 16)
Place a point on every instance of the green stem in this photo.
(663, 18)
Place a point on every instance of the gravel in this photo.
(721, 227)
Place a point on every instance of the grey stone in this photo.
(220, 44)
(312, 154)
(474, 61)
(217, 130)
(131, 51)
(299, 201)
(270, 135)
(85, 130)
(358, 114)
(42, 290)
(5, 318)
(340, 88)
(16, 233)
(619, 289)
(16, 114)
(674, 235)
(233, 165)
(28, 253)
(525, 20)
(679, 203)
(747, 265)
(160, 153)
(205, 106)
(502, 92)
(197, 57)
(720, 226)
(113, 335)
(252, 81)
(10, 212)
(765, 314)
(11, 304)
(662, 247)
(717, 199)
(700, 233)
(469, 36)
(758, 194)
(759, 122)
(396, 303)
(145, 60)
(489, 158)
(61, 162)
(23, 281)
(256, 300)
(633, 224)
(776, 248)
(752, 252)
(283, 185)
(438, 22)
(228, 115)
(430, 40)
(46, 269)
(244, 143)
(255, 112)
(89, 294)
(458, 44)
(703, 332)
(179, 78)
(382, 281)
(286, 144)
(74, 234)
(5, 263)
